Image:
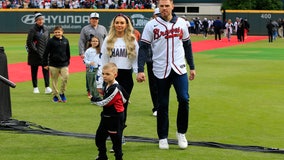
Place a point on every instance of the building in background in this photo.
(198, 8)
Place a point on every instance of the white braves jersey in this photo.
(166, 39)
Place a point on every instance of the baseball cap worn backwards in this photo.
(157, 11)
(94, 15)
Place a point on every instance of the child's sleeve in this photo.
(86, 60)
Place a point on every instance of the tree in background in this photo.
(253, 4)
(269, 5)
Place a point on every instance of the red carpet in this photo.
(212, 44)
(20, 72)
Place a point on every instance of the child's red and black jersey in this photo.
(114, 98)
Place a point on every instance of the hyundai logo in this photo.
(28, 19)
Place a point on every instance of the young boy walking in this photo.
(56, 58)
(111, 124)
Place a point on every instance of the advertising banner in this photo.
(72, 21)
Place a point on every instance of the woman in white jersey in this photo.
(121, 48)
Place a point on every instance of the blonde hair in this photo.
(128, 37)
(229, 21)
(112, 66)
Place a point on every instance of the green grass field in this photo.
(236, 98)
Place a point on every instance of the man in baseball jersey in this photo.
(170, 40)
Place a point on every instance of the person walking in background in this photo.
(192, 26)
(92, 61)
(229, 29)
(56, 59)
(121, 48)
(210, 26)
(197, 24)
(205, 26)
(151, 77)
(280, 28)
(170, 41)
(37, 38)
(269, 27)
(112, 115)
(95, 29)
(241, 30)
(187, 22)
(282, 24)
(246, 28)
(275, 29)
(217, 25)
(236, 23)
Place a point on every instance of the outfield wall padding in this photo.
(257, 19)
(72, 20)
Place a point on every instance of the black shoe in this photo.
(101, 158)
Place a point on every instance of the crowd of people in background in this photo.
(238, 26)
(76, 4)
(275, 29)
(216, 26)
(197, 26)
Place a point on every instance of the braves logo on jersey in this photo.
(175, 32)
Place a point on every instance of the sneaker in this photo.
(155, 113)
(89, 95)
(36, 90)
(55, 99)
(182, 142)
(123, 141)
(48, 90)
(63, 98)
(163, 144)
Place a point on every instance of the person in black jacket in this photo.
(241, 31)
(56, 59)
(269, 27)
(205, 26)
(217, 24)
(112, 117)
(36, 42)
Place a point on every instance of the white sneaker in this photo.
(36, 90)
(155, 113)
(48, 90)
(123, 141)
(163, 144)
(182, 142)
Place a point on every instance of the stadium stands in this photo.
(74, 4)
